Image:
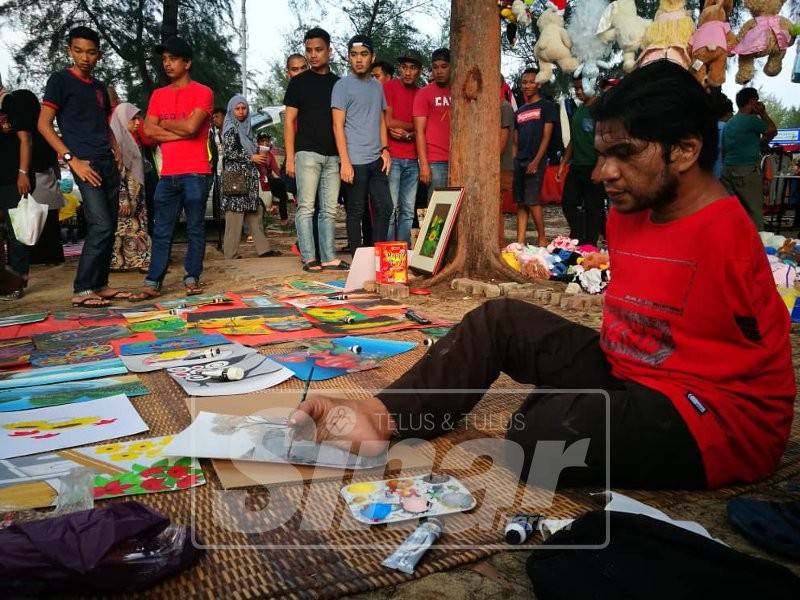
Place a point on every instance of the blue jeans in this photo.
(100, 206)
(173, 194)
(315, 172)
(403, 182)
(440, 173)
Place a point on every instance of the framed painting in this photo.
(434, 233)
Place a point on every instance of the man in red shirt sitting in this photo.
(693, 358)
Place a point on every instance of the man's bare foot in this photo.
(543, 242)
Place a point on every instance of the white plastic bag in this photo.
(28, 220)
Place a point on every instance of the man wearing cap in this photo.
(178, 118)
(404, 176)
(432, 123)
(311, 155)
(359, 126)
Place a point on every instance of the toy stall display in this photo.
(669, 34)
(767, 34)
(784, 255)
(621, 25)
(554, 46)
(587, 46)
(712, 43)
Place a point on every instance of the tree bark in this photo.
(475, 141)
(169, 22)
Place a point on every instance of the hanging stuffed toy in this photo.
(553, 46)
(766, 34)
(712, 43)
(621, 25)
(669, 34)
(795, 31)
(587, 47)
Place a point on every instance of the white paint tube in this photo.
(228, 374)
(408, 554)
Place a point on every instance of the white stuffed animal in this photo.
(553, 46)
(621, 24)
(521, 12)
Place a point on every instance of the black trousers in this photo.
(650, 445)
(369, 180)
(278, 189)
(583, 203)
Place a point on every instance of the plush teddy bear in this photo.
(712, 43)
(669, 34)
(553, 46)
(766, 34)
(622, 25)
(587, 46)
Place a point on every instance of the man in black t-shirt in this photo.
(535, 123)
(16, 180)
(311, 155)
(81, 105)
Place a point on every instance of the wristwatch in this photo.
(67, 157)
(384, 149)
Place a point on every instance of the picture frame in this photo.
(435, 230)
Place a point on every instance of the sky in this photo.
(269, 20)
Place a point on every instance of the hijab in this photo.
(243, 128)
(131, 154)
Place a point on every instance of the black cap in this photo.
(410, 56)
(360, 40)
(441, 54)
(177, 47)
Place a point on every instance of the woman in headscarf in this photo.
(132, 242)
(240, 155)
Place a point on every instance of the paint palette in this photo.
(395, 500)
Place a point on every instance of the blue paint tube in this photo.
(407, 555)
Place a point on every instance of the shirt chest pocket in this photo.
(651, 282)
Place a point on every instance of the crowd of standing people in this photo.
(371, 139)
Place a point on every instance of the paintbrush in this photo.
(290, 431)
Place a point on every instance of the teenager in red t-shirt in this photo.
(690, 382)
(432, 123)
(404, 176)
(178, 118)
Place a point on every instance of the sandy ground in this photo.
(501, 576)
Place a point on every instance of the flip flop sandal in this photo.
(194, 289)
(309, 266)
(91, 302)
(147, 293)
(117, 295)
(342, 266)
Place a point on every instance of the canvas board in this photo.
(56, 427)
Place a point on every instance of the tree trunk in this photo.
(169, 22)
(475, 141)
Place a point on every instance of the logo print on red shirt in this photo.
(636, 336)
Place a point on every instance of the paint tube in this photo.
(428, 342)
(407, 555)
(228, 374)
(355, 349)
(521, 527)
(349, 320)
(416, 317)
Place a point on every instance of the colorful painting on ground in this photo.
(60, 373)
(75, 356)
(202, 300)
(92, 314)
(260, 372)
(71, 392)
(340, 356)
(279, 311)
(145, 363)
(176, 342)
(74, 337)
(255, 438)
(436, 332)
(394, 500)
(169, 323)
(312, 287)
(15, 353)
(56, 427)
(289, 324)
(120, 469)
(360, 326)
(260, 302)
(22, 319)
(341, 314)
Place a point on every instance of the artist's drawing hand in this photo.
(359, 426)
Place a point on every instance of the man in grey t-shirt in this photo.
(359, 127)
